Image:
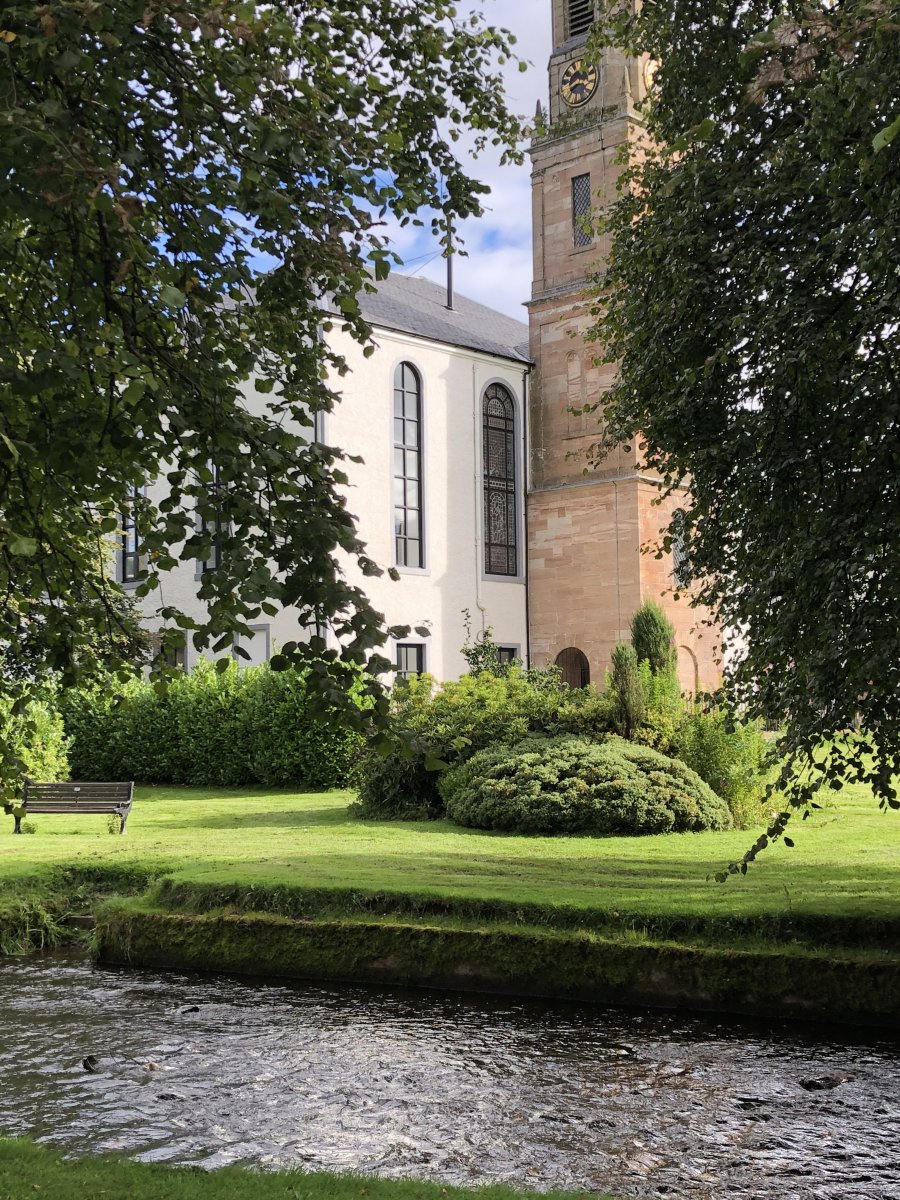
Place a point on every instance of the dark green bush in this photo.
(397, 787)
(208, 728)
(573, 786)
(450, 723)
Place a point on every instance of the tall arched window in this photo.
(574, 667)
(499, 459)
(409, 545)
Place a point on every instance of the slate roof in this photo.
(408, 304)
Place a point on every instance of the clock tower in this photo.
(587, 574)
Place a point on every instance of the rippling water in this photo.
(458, 1088)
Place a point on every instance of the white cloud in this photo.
(498, 267)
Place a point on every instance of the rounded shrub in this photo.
(451, 722)
(573, 786)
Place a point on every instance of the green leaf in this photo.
(172, 297)
(21, 546)
(885, 136)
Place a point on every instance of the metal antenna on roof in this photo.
(450, 267)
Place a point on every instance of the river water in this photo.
(191, 1069)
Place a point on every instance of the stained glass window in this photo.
(500, 501)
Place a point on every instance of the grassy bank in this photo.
(844, 866)
(29, 1170)
(213, 873)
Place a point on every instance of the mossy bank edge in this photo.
(773, 981)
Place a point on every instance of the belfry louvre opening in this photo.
(580, 17)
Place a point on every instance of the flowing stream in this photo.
(192, 1069)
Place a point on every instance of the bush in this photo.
(237, 727)
(731, 756)
(448, 724)
(39, 740)
(573, 786)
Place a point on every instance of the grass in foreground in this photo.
(29, 1170)
(844, 865)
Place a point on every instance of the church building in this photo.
(469, 424)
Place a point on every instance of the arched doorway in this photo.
(576, 670)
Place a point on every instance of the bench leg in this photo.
(123, 817)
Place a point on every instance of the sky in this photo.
(497, 270)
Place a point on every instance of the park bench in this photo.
(76, 798)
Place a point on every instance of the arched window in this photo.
(409, 545)
(575, 668)
(499, 461)
(681, 562)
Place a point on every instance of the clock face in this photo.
(579, 82)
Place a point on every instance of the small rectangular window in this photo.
(410, 659)
(581, 211)
(580, 17)
(176, 658)
(508, 654)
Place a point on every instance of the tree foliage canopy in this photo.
(182, 184)
(751, 303)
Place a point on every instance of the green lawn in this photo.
(844, 865)
(28, 1170)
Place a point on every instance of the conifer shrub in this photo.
(569, 785)
(653, 638)
(626, 688)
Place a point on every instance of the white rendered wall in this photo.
(453, 579)
(453, 383)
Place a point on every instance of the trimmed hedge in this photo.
(208, 728)
(573, 786)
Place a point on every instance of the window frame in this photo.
(402, 539)
(132, 570)
(219, 525)
(582, 238)
(681, 559)
(402, 672)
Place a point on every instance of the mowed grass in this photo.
(28, 1170)
(844, 864)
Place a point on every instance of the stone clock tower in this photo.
(587, 575)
